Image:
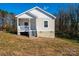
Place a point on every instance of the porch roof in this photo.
(25, 16)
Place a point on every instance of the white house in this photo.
(36, 22)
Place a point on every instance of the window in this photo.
(45, 23)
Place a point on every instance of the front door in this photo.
(26, 24)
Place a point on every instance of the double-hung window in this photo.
(45, 23)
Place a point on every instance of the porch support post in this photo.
(29, 28)
(18, 33)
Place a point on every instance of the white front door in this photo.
(26, 25)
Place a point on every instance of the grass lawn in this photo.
(20, 45)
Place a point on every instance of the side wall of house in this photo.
(45, 32)
(33, 27)
(33, 24)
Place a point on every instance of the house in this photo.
(36, 23)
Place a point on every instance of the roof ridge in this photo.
(34, 8)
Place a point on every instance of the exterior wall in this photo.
(45, 32)
(49, 34)
(33, 27)
(33, 24)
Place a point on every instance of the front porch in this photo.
(23, 26)
(26, 26)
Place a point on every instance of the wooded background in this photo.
(7, 21)
(67, 22)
